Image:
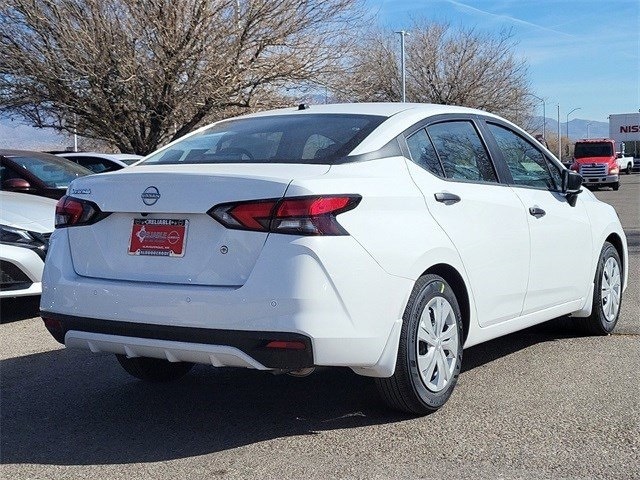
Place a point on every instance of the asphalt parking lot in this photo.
(542, 403)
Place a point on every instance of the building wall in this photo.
(625, 127)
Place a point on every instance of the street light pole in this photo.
(559, 137)
(577, 108)
(544, 114)
(403, 33)
(75, 132)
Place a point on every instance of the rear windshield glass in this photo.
(592, 149)
(306, 138)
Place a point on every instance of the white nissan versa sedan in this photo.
(381, 237)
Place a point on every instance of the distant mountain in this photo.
(578, 128)
(23, 137)
(587, 129)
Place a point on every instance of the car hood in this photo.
(29, 212)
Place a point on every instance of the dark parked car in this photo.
(37, 173)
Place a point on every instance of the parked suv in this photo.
(381, 237)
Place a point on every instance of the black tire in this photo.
(406, 390)
(628, 170)
(598, 323)
(616, 186)
(154, 370)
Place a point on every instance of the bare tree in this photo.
(444, 65)
(137, 73)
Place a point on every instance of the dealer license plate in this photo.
(158, 237)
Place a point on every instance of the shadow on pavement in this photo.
(69, 407)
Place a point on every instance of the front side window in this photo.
(304, 138)
(461, 151)
(527, 164)
(423, 153)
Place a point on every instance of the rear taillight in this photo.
(71, 211)
(314, 215)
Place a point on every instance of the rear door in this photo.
(484, 219)
(561, 242)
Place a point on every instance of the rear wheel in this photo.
(154, 370)
(607, 295)
(628, 169)
(430, 350)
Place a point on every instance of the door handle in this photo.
(537, 212)
(447, 198)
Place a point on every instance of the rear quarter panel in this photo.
(392, 222)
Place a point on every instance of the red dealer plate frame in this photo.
(158, 237)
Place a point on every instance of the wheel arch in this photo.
(455, 280)
(615, 240)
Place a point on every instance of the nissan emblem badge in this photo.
(150, 195)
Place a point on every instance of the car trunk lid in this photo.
(158, 229)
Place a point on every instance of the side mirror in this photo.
(571, 183)
(16, 185)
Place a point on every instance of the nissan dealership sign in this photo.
(625, 127)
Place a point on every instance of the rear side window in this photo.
(528, 165)
(423, 153)
(303, 138)
(461, 151)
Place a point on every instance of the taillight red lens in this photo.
(254, 216)
(312, 206)
(72, 211)
(313, 215)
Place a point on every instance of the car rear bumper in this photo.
(260, 350)
(328, 291)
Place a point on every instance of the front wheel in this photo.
(607, 294)
(154, 370)
(430, 350)
(616, 186)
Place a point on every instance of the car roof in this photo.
(404, 115)
(106, 156)
(27, 153)
(384, 109)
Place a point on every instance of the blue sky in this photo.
(581, 53)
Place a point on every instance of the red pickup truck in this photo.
(598, 163)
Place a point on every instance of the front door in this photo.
(561, 242)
